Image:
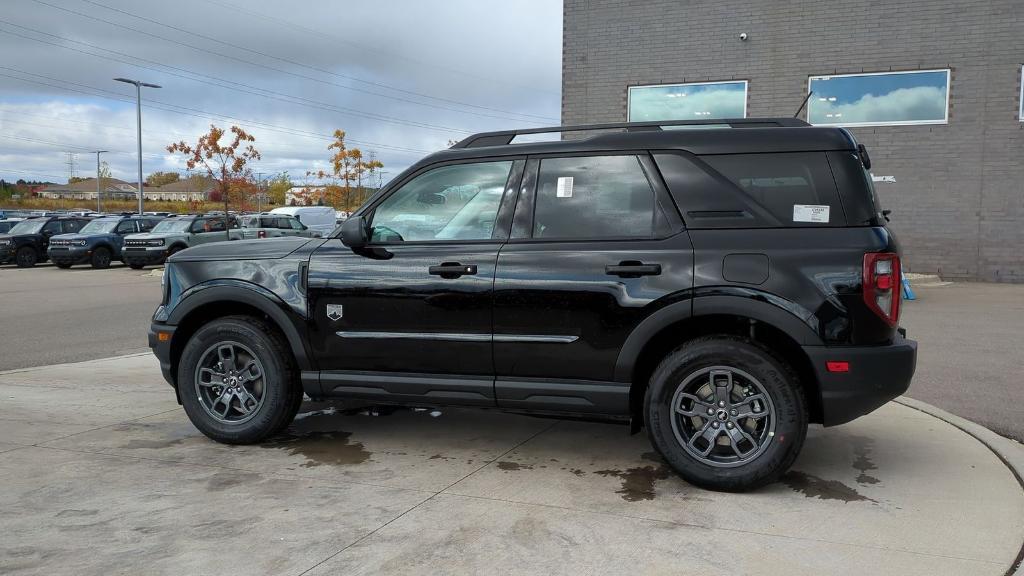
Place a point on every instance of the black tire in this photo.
(281, 388)
(100, 258)
(780, 445)
(135, 265)
(26, 257)
(63, 264)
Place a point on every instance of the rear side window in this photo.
(771, 190)
(594, 197)
(797, 188)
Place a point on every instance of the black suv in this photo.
(722, 286)
(25, 244)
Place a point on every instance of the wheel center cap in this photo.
(722, 415)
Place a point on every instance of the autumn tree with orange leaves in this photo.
(224, 163)
(348, 166)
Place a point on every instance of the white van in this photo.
(319, 219)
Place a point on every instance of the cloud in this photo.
(697, 104)
(462, 65)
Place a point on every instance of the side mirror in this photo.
(355, 233)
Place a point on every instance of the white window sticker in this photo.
(564, 187)
(810, 213)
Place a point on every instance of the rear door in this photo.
(595, 243)
(409, 316)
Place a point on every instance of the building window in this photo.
(878, 99)
(697, 101)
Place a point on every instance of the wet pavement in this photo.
(101, 472)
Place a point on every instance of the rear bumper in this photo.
(876, 375)
(162, 348)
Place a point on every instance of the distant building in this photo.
(194, 189)
(305, 196)
(113, 189)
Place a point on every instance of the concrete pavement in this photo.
(101, 472)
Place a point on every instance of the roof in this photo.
(89, 185)
(193, 184)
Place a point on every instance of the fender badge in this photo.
(334, 311)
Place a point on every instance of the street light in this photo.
(99, 207)
(138, 123)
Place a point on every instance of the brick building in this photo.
(932, 88)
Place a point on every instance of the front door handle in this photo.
(632, 269)
(451, 270)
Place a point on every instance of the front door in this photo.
(409, 317)
(595, 243)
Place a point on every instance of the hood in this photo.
(151, 236)
(265, 248)
(13, 237)
(73, 236)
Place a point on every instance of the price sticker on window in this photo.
(810, 213)
(564, 189)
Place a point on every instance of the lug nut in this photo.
(733, 412)
(710, 412)
(714, 424)
(721, 402)
(728, 425)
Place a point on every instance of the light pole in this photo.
(138, 123)
(99, 206)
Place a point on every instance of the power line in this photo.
(296, 63)
(187, 111)
(228, 84)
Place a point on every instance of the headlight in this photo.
(4, 242)
(157, 242)
(80, 242)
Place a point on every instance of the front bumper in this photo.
(75, 255)
(144, 255)
(6, 253)
(160, 336)
(876, 375)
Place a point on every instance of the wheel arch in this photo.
(772, 327)
(205, 303)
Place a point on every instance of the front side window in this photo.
(688, 101)
(593, 197)
(879, 99)
(456, 202)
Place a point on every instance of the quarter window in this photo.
(919, 97)
(593, 197)
(697, 101)
(456, 202)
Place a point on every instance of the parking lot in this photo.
(103, 473)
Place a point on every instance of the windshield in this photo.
(99, 227)
(172, 226)
(29, 227)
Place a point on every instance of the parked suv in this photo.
(721, 287)
(273, 226)
(174, 234)
(25, 244)
(98, 242)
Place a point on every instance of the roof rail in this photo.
(504, 137)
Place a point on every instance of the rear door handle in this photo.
(452, 270)
(631, 269)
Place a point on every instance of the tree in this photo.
(76, 179)
(161, 178)
(277, 188)
(224, 163)
(348, 166)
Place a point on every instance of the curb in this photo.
(30, 368)
(1009, 452)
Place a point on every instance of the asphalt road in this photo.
(52, 316)
(969, 359)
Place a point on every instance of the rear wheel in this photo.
(26, 257)
(237, 380)
(726, 413)
(100, 258)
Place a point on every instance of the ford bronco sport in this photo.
(721, 287)
(25, 244)
(99, 242)
(174, 234)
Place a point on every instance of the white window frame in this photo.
(945, 118)
(629, 94)
(1020, 113)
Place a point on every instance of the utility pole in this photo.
(138, 123)
(99, 204)
(259, 191)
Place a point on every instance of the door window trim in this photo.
(526, 207)
(508, 195)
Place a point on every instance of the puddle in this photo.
(505, 465)
(862, 459)
(314, 439)
(638, 482)
(814, 487)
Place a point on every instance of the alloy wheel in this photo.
(230, 382)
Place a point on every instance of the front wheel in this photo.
(726, 413)
(100, 258)
(26, 257)
(237, 380)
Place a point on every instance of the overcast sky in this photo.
(400, 77)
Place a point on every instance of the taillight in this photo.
(882, 285)
(261, 234)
